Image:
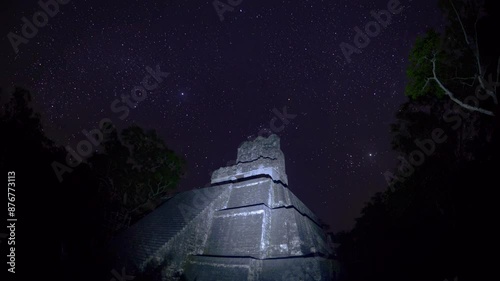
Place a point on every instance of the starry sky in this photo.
(227, 79)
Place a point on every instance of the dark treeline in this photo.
(68, 211)
(437, 220)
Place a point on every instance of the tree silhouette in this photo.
(135, 170)
(436, 219)
(65, 225)
(452, 64)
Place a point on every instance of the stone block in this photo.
(284, 237)
(202, 268)
(261, 156)
(238, 232)
(279, 196)
(258, 167)
(260, 147)
(252, 192)
(297, 269)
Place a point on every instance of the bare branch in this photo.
(476, 52)
(452, 96)
(475, 49)
(467, 84)
(464, 78)
(487, 90)
(426, 83)
(461, 24)
(498, 72)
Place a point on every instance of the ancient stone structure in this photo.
(246, 226)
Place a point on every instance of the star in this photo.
(304, 75)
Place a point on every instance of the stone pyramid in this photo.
(246, 226)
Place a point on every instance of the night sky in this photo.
(226, 81)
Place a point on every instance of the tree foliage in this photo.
(454, 63)
(135, 170)
(436, 220)
(66, 225)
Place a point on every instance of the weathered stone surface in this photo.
(139, 244)
(258, 167)
(319, 240)
(296, 203)
(202, 268)
(261, 232)
(237, 232)
(297, 269)
(284, 239)
(252, 192)
(265, 191)
(261, 147)
(261, 156)
(249, 226)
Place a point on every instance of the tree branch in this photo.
(461, 24)
(426, 83)
(476, 52)
(462, 79)
(487, 90)
(498, 72)
(452, 96)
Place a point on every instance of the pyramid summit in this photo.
(246, 226)
(259, 157)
